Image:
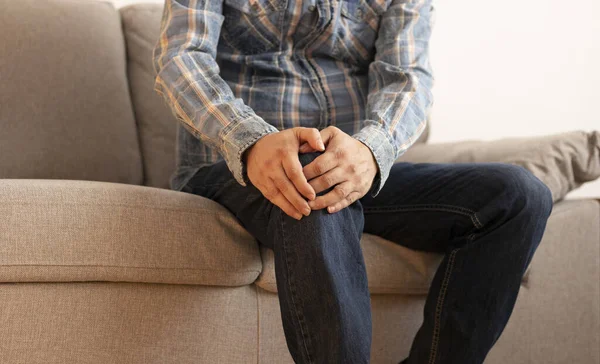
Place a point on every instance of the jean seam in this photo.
(429, 207)
(292, 290)
(439, 307)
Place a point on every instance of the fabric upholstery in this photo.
(557, 317)
(562, 161)
(157, 126)
(127, 323)
(65, 111)
(58, 231)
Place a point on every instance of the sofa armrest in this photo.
(59, 230)
(562, 161)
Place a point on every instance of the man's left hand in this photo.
(347, 164)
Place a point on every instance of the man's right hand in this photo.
(274, 168)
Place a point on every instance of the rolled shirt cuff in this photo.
(380, 144)
(237, 137)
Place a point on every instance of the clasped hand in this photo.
(346, 164)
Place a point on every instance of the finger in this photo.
(306, 148)
(339, 192)
(293, 170)
(287, 189)
(349, 200)
(312, 137)
(272, 193)
(329, 179)
(320, 165)
(328, 133)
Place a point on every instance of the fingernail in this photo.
(298, 217)
(321, 145)
(331, 209)
(306, 211)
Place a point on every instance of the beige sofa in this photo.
(101, 263)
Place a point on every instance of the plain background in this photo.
(510, 69)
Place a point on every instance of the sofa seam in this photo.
(257, 325)
(147, 207)
(126, 267)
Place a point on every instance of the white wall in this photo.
(508, 69)
(516, 69)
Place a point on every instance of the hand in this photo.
(274, 168)
(347, 164)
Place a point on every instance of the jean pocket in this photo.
(253, 26)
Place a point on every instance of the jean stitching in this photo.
(430, 207)
(478, 222)
(292, 290)
(439, 306)
(464, 210)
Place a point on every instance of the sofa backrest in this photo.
(157, 126)
(65, 110)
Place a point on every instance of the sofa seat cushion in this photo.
(391, 268)
(59, 230)
(395, 269)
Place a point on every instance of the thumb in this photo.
(327, 134)
(312, 137)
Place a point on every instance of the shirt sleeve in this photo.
(400, 81)
(187, 76)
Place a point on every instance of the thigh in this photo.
(439, 206)
(247, 203)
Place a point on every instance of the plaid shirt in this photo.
(235, 70)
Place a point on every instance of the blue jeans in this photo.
(487, 219)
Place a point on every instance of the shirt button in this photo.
(311, 8)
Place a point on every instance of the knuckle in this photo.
(294, 172)
(328, 181)
(271, 193)
(341, 191)
(340, 153)
(280, 184)
(280, 152)
(318, 168)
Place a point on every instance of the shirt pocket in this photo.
(253, 26)
(358, 32)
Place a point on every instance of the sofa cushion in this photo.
(65, 111)
(562, 161)
(391, 268)
(157, 126)
(395, 269)
(57, 231)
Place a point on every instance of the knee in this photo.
(523, 190)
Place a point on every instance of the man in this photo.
(292, 114)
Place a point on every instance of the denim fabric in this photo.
(488, 219)
(234, 71)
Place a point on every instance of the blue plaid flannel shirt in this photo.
(233, 71)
